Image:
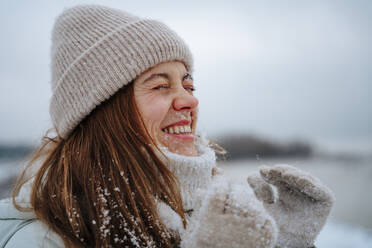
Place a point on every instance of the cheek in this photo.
(153, 110)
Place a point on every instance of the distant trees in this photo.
(248, 146)
(14, 151)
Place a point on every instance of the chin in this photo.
(183, 144)
(183, 150)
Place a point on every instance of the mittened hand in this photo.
(299, 203)
(230, 216)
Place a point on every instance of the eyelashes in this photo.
(190, 88)
(166, 86)
(159, 87)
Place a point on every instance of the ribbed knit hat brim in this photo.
(91, 61)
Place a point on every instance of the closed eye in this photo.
(190, 88)
(163, 86)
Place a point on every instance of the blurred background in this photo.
(278, 82)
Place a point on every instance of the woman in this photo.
(127, 169)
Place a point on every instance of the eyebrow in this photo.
(166, 76)
(156, 75)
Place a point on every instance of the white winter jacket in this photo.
(22, 229)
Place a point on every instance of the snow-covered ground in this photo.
(350, 223)
(337, 235)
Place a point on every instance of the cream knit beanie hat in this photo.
(96, 51)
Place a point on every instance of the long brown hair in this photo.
(99, 187)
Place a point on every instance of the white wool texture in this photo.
(170, 218)
(96, 51)
(230, 216)
(193, 173)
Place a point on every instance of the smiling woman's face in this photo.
(164, 97)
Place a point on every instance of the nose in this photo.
(184, 100)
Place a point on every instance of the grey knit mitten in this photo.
(230, 216)
(300, 206)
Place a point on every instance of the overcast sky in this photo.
(282, 69)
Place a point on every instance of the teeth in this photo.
(188, 129)
(178, 129)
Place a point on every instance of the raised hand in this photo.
(299, 203)
(230, 216)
